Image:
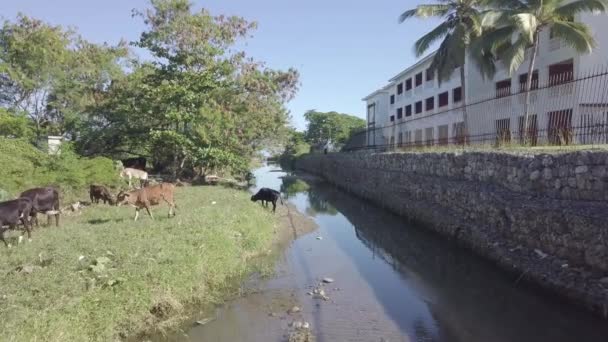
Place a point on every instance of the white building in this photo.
(416, 109)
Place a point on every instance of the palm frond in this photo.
(576, 7)
(527, 25)
(505, 4)
(515, 54)
(443, 64)
(577, 35)
(425, 11)
(439, 32)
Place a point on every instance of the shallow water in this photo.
(393, 282)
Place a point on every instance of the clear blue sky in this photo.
(344, 49)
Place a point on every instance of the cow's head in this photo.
(122, 198)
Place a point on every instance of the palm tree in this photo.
(461, 24)
(518, 24)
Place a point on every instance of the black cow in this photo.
(267, 195)
(135, 163)
(100, 192)
(12, 212)
(44, 200)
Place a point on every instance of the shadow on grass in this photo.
(102, 221)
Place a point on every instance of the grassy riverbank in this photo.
(101, 276)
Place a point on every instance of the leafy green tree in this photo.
(52, 74)
(31, 55)
(460, 24)
(525, 19)
(333, 126)
(15, 125)
(197, 94)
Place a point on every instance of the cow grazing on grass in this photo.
(45, 201)
(99, 192)
(11, 213)
(147, 197)
(267, 195)
(131, 173)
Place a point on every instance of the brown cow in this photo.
(147, 197)
(99, 192)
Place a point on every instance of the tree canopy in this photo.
(337, 127)
(198, 103)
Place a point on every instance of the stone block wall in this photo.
(554, 203)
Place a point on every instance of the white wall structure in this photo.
(416, 109)
(54, 144)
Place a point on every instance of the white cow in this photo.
(134, 173)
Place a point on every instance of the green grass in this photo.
(154, 269)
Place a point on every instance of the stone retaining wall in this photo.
(545, 215)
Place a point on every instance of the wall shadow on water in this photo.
(470, 300)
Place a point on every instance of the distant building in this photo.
(416, 109)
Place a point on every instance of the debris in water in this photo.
(328, 280)
(319, 238)
(272, 314)
(214, 202)
(205, 321)
(540, 253)
(565, 266)
(293, 310)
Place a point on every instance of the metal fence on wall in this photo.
(563, 111)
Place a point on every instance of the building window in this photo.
(418, 137)
(443, 99)
(408, 110)
(408, 84)
(560, 127)
(503, 131)
(400, 88)
(457, 95)
(523, 81)
(503, 88)
(442, 132)
(430, 140)
(561, 73)
(399, 113)
(393, 99)
(392, 118)
(430, 74)
(418, 79)
(418, 107)
(430, 103)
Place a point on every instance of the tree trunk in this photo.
(528, 89)
(465, 117)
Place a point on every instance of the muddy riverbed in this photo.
(390, 281)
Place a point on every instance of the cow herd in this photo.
(25, 209)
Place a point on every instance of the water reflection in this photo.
(292, 185)
(468, 299)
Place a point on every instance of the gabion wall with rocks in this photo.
(545, 215)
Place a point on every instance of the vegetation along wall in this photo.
(542, 216)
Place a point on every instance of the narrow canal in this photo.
(392, 282)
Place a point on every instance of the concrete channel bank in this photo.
(543, 217)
